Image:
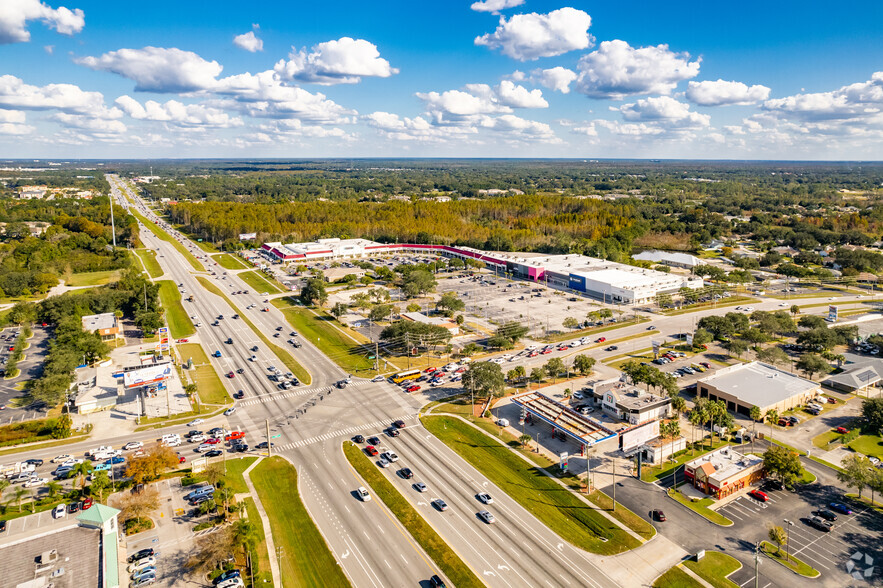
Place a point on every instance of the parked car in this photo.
(826, 514)
(840, 507)
(658, 515)
(759, 495)
(820, 524)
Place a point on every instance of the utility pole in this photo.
(377, 358)
(269, 445)
(756, 561)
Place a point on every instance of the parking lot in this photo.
(31, 366)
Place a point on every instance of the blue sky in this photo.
(494, 78)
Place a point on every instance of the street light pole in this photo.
(788, 538)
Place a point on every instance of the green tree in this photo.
(756, 415)
(516, 374)
(795, 310)
(449, 303)
(413, 307)
(418, 282)
(484, 379)
(525, 439)
(81, 471)
(100, 483)
(679, 405)
(380, 312)
(470, 349)
(62, 427)
(811, 364)
(584, 364)
(777, 535)
(872, 415)
(773, 356)
(338, 310)
(772, 417)
(570, 323)
(783, 464)
(696, 417)
(536, 374)
(701, 337)
(554, 367)
(856, 472)
(313, 292)
(736, 347)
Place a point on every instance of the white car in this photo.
(198, 438)
(485, 498)
(195, 422)
(364, 496)
(34, 482)
(231, 583)
(230, 411)
(133, 445)
(420, 486)
(62, 458)
(390, 456)
(384, 463)
(142, 563)
(72, 462)
(205, 447)
(59, 511)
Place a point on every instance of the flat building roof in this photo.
(758, 384)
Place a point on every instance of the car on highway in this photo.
(487, 517)
(759, 495)
(62, 458)
(658, 515)
(263, 445)
(115, 460)
(231, 375)
(436, 582)
(239, 395)
(230, 411)
(406, 473)
(35, 482)
(484, 498)
(363, 494)
(598, 340)
(205, 447)
(197, 438)
(420, 487)
(611, 348)
(390, 456)
(384, 463)
(377, 379)
(133, 445)
(400, 424)
(840, 507)
(234, 435)
(214, 453)
(440, 504)
(392, 432)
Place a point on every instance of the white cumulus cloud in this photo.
(344, 61)
(557, 78)
(495, 6)
(531, 36)
(249, 42)
(861, 100)
(511, 94)
(12, 122)
(158, 69)
(616, 70)
(520, 128)
(97, 125)
(14, 15)
(724, 93)
(14, 93)
(665, 110)
(177, 112)
(476, 100)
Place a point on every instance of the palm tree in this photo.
(20, 493)
(755, 415)
(720, 415)
(772, 416)
(4, 484)
(525, 439)
(81, 471)
(52, 489)
(696, 417)
(679, 405)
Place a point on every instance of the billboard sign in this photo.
(148, 375)
(657, 345)
(162, 345)
(689, 338)
(198, 464)
(637, 436)
(563, 457)
(832, 314)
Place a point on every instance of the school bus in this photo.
(405, 376)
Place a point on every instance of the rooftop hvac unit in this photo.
(48, 556)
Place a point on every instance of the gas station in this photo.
(566, 422)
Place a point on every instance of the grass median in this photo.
(700, 507)
(170, 298)
(227, 261)
(714, 568)
(259, 283)
(675, 577)
(161, 234)
(148, 258)
(321, 331)
(308, 561)
(792, 563)
(441, 553)
(293, 366)
(209, 385)
(559, 508)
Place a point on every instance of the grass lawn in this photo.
(307, 561)
(701, 507)
(211, 388)
(235, 467)
(293, 366)
(260, 559)
(870, 445)
(623, 515)
(259, 283)
(92, 278)
(227, 261)
(714, 568)
(675, 577)
(441, 553)
(170, 298)
(794, 564)
(558, 507)
(322, 331)
(822, 441)
(148, 256)
(168, 238)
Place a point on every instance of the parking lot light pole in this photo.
(788, 538)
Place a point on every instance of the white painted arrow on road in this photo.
(345, 554)
(489, 573)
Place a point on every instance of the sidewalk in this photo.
(268, 534)
(641, 566)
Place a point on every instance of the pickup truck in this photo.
(16, 468)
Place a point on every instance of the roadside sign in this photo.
(563, 463)
(275, 436)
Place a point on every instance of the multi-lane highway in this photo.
(314, 420)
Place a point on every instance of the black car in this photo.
(34, 461)
(263, 445)
(278, 328)
(358, 439)
(774, 485)
(239, 395)
(794, 420)
(826, 514)
(2, 526)
(241, 448)
(820, 524)
(141, 554)
(406, 473)
(436, 582)
(393, 432)
(374, 441)
(255, 348)
(73, 507)
(240, 371)
(214, 453)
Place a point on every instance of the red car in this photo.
(265, 309)
(430, 370)
(414, 388)
(371, 450)
(235, 435)
(231, 375)
(546, 351)
(212, 441)
(183, 340)
(842, 430)
(460, 370)
(181, 459)
(759, 495)
(533, 354)
(600, 339)
(87, 504)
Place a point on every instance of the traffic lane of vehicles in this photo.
(449, 477)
